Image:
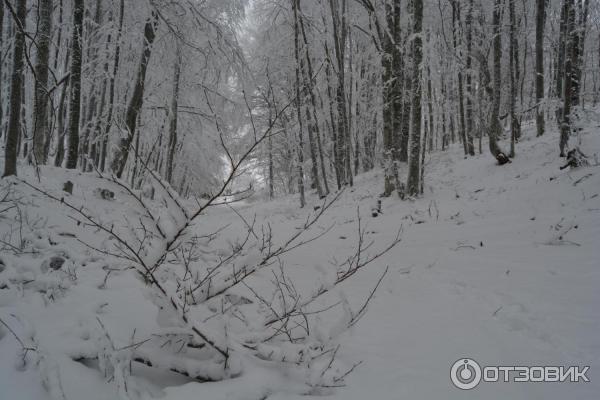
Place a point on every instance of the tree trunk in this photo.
(173, 115)
(560, 58)
(495, 128)
(567, 75)
(413, 181)
(111, 96)
(14, 122)
(334, 129)
(462, 132)
(62, 114)
(343, 136)
(271, 174)
(1, 74)
(578, 55)
(388, 83)
(307, 75)
(97, 137)
(300, 148)
(313, 102)
(40, 106)
(469, 79)
(75, 84)
(92, 103)
(58, 46)
(513, 80)
(137, 98)
(539, 65)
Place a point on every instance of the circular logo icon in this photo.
(465, 374)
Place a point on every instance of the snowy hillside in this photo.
(496, 263)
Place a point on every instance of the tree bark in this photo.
(14, 122)
(469, 79)
(578, 48)
(40, 106)
(92, 103)
(462, 131)
(75, 84)
(343, 136)
(173, 115)
(389, 120)
(313, 101)
(334, 129)
(495, 128)
(413, 181)
(306, 75)
(539, 65)
(1, 76)
(567, 75)
(137, 98)
(514, 123)
(62, 114)
(300, 149)
(111, 95)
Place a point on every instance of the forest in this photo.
(226, 187)
(309, 95)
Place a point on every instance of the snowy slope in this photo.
(499, 264)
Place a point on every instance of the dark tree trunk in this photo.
(343, 135)
(389, 120)
(539, 65)
(14, 122)
(560, 58)
(307, 77)
(495, 127)
(62, 114)
(92, 103)
(173, 116)
(469, 79)
(298, 99)
(137, 98)
(567, 75)
(334, 129)
(313, 102)
(513, 62)
(578, 48)
(40, 106)
(111, 95)
(75, 84)
(414, 180)
(1, 73)
(462, 131)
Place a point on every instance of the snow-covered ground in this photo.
(496, 263)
